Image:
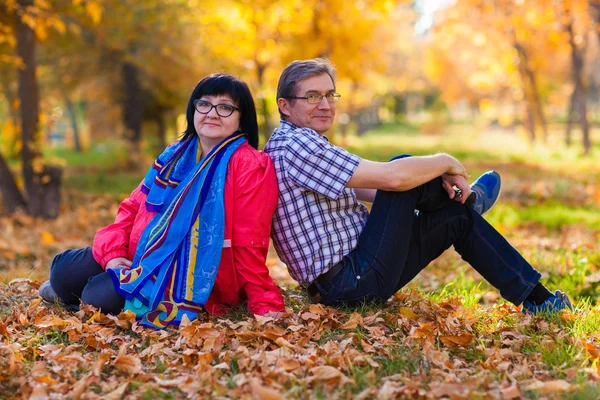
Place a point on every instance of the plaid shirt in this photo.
(318, 220)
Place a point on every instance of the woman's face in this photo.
(211, 127)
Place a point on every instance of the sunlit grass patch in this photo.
(548, 214)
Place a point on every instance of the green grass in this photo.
(551, 215)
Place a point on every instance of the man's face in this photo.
(300, 112)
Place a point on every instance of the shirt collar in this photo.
(286, 126)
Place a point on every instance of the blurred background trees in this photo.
(82, 73)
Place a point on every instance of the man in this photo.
(339, 252)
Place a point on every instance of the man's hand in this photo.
(450, 181)
(456, 168)
(117, 263)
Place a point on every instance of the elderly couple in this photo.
(194, 234)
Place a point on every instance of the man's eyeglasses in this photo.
(315, 98)
(223, 110)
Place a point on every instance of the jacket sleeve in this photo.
(113, 240)
(255, 199)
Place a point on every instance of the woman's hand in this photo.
(117, 263)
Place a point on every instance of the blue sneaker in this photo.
(560, 301)
(486, 191)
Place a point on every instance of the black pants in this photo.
(397, 243)
(76, 277)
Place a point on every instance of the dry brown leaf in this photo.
(102, 359)
(284, 343)
(452, 390)
(549, 387)
(118, 393)
(327, 374)
(261, 392)
(510, 392)
(129, 364)
(318, 309)
(289, 364)
(592, 350)
(457, 340)
(173, 382)
(39, 392)
(308, 316)
(354, 321)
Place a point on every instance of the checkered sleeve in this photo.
(317, 165)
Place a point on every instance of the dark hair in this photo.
(225, 84)
(299, 70)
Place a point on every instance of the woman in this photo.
(195, 233)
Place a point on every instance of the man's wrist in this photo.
(446, 161)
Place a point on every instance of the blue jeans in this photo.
(397, 243)
(76, 277)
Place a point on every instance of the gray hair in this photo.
(297, 71)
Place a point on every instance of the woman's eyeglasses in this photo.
(223, 110)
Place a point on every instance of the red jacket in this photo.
(250, 201)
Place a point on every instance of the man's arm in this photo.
(365, 194)
(405, 173)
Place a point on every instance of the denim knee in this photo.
(400, 156)
(100, 292)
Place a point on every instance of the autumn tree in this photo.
(25, 24)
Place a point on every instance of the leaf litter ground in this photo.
(448, 335)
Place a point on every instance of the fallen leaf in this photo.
(549, 387)
(118, 393)
(408, 313)
(511, 392)
(326, 373)
(261, 392)
(457, 340)
(354, 321)
(39, 393)
(129, 364)
(47, 238)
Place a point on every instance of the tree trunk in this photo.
(260, 75)
(42, 183)
(133, 105)
(73, 117)
(531, 92)
(595, 11)
(570, 112)
(11, 196)
(580, 102)
(530, 122)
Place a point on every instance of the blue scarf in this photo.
(178, 255)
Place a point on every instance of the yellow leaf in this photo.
(408, 313)
(93, 317)
(47, 238)
(94, 10)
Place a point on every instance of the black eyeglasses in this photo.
(223, 110)
(316, 98)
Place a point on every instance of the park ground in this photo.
(447, 335)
